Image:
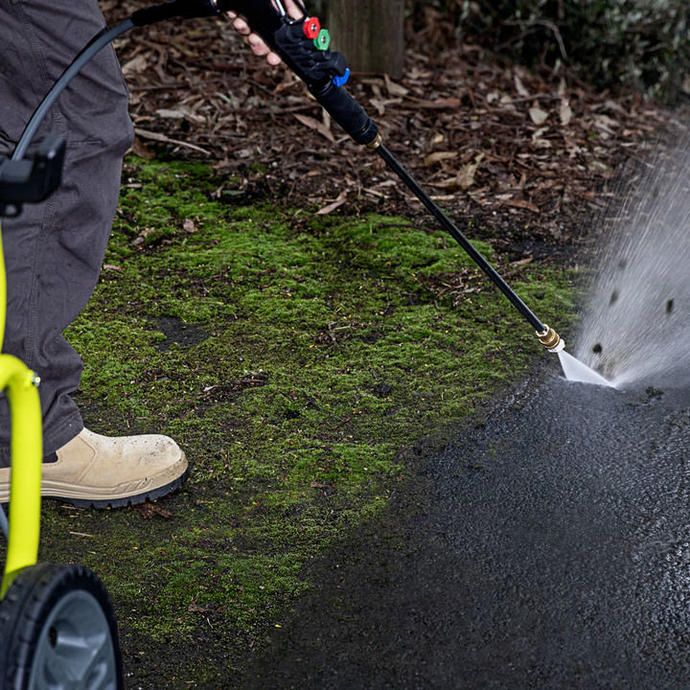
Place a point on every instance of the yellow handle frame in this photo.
(27, 453)
(26, 447)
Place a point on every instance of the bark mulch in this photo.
(527, 156)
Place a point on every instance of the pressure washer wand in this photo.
(547, 336)
(304, 46)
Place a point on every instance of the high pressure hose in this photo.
(94, 46)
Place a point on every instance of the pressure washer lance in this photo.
(304, 45)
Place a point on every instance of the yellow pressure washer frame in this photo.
(26, 448)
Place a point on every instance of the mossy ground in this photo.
(292, 356)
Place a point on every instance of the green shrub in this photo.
(640, 44)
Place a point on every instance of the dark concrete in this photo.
(549, 547)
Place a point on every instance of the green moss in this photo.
(292, 358)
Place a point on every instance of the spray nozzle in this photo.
(550, 339)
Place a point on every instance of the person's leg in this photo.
(54, 250)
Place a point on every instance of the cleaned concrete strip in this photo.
(549, 547)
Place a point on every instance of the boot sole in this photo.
(120, 502)
(104, 504)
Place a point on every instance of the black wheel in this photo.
(58, 631)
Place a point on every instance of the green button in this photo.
(323, 40)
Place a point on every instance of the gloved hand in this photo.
(255, 41)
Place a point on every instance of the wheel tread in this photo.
(25, 608)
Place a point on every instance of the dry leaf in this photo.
(188, 225)
(466, 175)
(606, 124)
(393, 88)
(139, 239)
(448, 183)
(379, 104)
(329, 208)
(317, 126)
(135, 65)
(565, 113)
(179, 113)
(523, 203)
(537, 138)
(437, 104)
(439, 156)
(519, 86)
(155, 136)
(538, 115)
(148, 510)
(143, 151)
(561, 88)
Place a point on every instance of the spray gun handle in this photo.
(302, 45)
(304, 49)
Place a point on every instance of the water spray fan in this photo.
(304, 46)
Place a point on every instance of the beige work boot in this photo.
(100, 472)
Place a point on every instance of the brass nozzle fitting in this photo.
(550, 339)
(376, 142)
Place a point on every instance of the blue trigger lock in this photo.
(341, 81)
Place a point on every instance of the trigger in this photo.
(337, 66)
(343, 79)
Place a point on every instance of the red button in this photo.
(312, 26)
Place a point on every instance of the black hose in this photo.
(448, 225)
(95, 45)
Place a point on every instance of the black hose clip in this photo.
(30, 181)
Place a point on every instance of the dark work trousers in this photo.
(54, 250)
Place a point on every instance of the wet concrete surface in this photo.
(548, 547)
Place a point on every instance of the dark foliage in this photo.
(634, 44)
